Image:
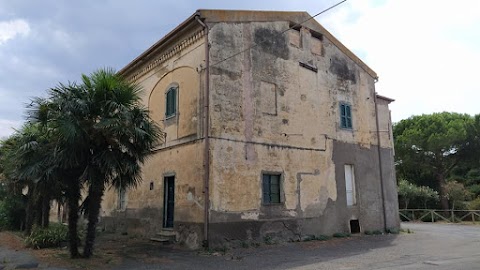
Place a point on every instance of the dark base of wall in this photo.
(233, 234)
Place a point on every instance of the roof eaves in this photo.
(139, 59)
(385, 98)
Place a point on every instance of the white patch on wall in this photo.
(268, 94)
(191, 198)
(250, 215)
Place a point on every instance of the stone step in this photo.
(166, 233)
(161, 239)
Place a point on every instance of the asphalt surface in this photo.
(430, 246)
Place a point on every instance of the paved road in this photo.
(431, 246)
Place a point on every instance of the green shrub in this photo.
(309, 237)
(341, 235)
(12, 213)
(392, 231)
(322, 237)
(374, 232)
(268, 240)
(475, 204)
(53, 236)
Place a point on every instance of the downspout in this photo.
(380, 166)
(206, 157)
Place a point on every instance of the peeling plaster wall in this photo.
(275, 108)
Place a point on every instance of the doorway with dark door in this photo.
(168, 201)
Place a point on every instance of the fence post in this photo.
(431, 214)
(473, 217)
(453, 217)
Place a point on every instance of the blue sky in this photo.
(425, 52)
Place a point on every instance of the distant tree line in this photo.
(437, 159)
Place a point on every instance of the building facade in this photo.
(270, 132)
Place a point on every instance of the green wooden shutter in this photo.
(348, 116)
(171, 102)
(266, 188)
(275, 188)
(343, 119)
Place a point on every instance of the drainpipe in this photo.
(380, 167)
(206, 157)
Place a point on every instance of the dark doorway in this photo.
(168, 201)
(354, 226)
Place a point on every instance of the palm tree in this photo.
(103, 135)
(28, 163)
(121, 136)
(62, 115)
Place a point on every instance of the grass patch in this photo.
(373, 232)
(406, 231)
(341, 235)
(53, 236)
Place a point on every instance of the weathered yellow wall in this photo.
(182, 152)
(237, 182)
(185, 121)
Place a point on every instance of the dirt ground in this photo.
(110, 252)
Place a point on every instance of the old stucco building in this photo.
(269, 132)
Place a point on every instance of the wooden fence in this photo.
(432, 215)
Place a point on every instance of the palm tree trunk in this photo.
(46, 211)
(38, 211)
(73, 197)
(30, 210)
(95, 194)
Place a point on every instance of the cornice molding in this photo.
(182, 45)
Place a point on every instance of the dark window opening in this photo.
(345, 116)
(309, 66)
(316, 35)
(295, 26)
(171, 102)
(271, 188)
(151, 185)
(354, 226)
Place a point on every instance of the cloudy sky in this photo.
(426, 52)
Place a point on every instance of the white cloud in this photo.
(13, 28)
(423, 51)
(7, 127)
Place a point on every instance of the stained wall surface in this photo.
(276, 109)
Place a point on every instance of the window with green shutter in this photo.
(271, 188)
(345, 116)
(171, 102)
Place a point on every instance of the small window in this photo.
(121, 200)
(345, 116)
(171, 102)
(354, 226)
(271, 188)
(350, 184)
